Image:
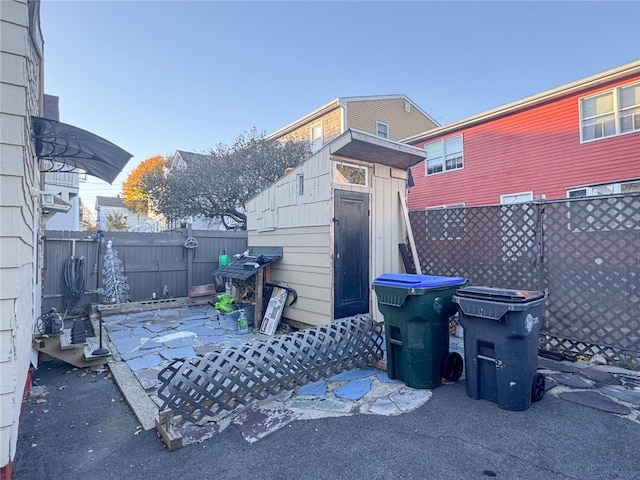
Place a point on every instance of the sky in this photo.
(157, 76)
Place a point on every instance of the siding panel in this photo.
(537, 150)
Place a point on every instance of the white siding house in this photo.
(21, 53)
(339, 219)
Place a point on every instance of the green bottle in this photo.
(243, 323)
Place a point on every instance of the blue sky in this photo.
(157, 76)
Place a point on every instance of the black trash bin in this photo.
(501, 329)
(416, 311)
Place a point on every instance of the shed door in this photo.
(351, 254)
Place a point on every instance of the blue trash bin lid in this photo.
(408, 280)
(502, 295)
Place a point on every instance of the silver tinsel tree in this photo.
(114, 284)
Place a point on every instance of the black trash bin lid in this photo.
(499, 294)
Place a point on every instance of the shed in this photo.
(338, 217)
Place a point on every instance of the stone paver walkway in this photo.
(148, 341)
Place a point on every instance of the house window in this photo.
(407, 107)
(316, 137)
(588, 214)
(382, 130)
(446, 222)
(300, 184)
(444, 155)
(516, 198)
(610, 113)
(352, 174)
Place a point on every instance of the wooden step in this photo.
(65, 340)
(93, 343)
(74, 356)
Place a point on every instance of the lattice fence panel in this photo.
(202, 386)
(592, 272)
(584, 252)
(494, 246)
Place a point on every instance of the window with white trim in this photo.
(610, 113)
(352, 174)
(616, 214)
(516, 198)
(446, 222)
(316, 137)
(444, 155)
(382, 130)
(300, 184)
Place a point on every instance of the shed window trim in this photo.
(300, 184)
(348, 173)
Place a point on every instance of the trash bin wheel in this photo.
(452, 367)
(537, 388)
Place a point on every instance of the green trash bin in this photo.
(416, 310)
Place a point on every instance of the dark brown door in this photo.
(351, 254)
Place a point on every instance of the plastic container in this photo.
(416, 311)
(243, 323)
(501, 330)
(224, 259)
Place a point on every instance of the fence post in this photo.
(190, 252)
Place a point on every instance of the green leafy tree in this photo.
(218, 185)
(116, 222)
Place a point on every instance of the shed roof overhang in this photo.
(371, 149)
(62, 147)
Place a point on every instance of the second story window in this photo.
(316, 137)
(444, 155)
(609, 113)
(382, 130)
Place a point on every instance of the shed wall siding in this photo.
(302, 226)
(21, 96)
(387, 225)
(279, 206)
(363, 115)
(535, 150)
(306, 266)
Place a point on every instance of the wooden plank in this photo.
(167, 432)
(75, 357)
(257, 313)
(412, 242)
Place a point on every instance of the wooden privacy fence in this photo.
(165, 263)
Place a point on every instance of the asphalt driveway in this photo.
(77, 425)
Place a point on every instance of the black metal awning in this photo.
(62, 147)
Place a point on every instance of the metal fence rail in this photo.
(202, 386)
(585, 252)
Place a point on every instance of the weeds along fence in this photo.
(584, 252)
(154, 263)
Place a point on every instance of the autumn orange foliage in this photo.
(132, 194)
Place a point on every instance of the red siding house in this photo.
(577, 140)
